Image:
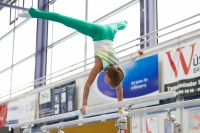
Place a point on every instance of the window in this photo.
(5, 26)
(97, 9)
(5, 81)
(6, 49)
(90, 53)
(66, 54)
(172, 11)
(50, 26)
(49, 65)
(23, 74)
(12, 12)
(28, 3)
(25, 40)
(72, 8)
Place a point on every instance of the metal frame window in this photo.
(13, 12)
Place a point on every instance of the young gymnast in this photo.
(104, 54)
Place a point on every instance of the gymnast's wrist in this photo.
(84, 104)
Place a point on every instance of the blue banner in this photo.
(141, 78)
(58, 100)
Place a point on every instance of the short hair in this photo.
(116, 75)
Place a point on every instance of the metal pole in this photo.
(142, 23)
(41, 43)
(150, 21)
(76, 122)
(12, 6)
(85, 46)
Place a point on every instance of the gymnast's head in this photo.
(114, 76)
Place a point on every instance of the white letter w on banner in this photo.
(182, 59)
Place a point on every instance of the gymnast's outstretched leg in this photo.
(83, 27)
(96, 31)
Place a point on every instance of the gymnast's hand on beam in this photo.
(83, 108)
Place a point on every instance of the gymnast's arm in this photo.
(119, 91)
(95, 70)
